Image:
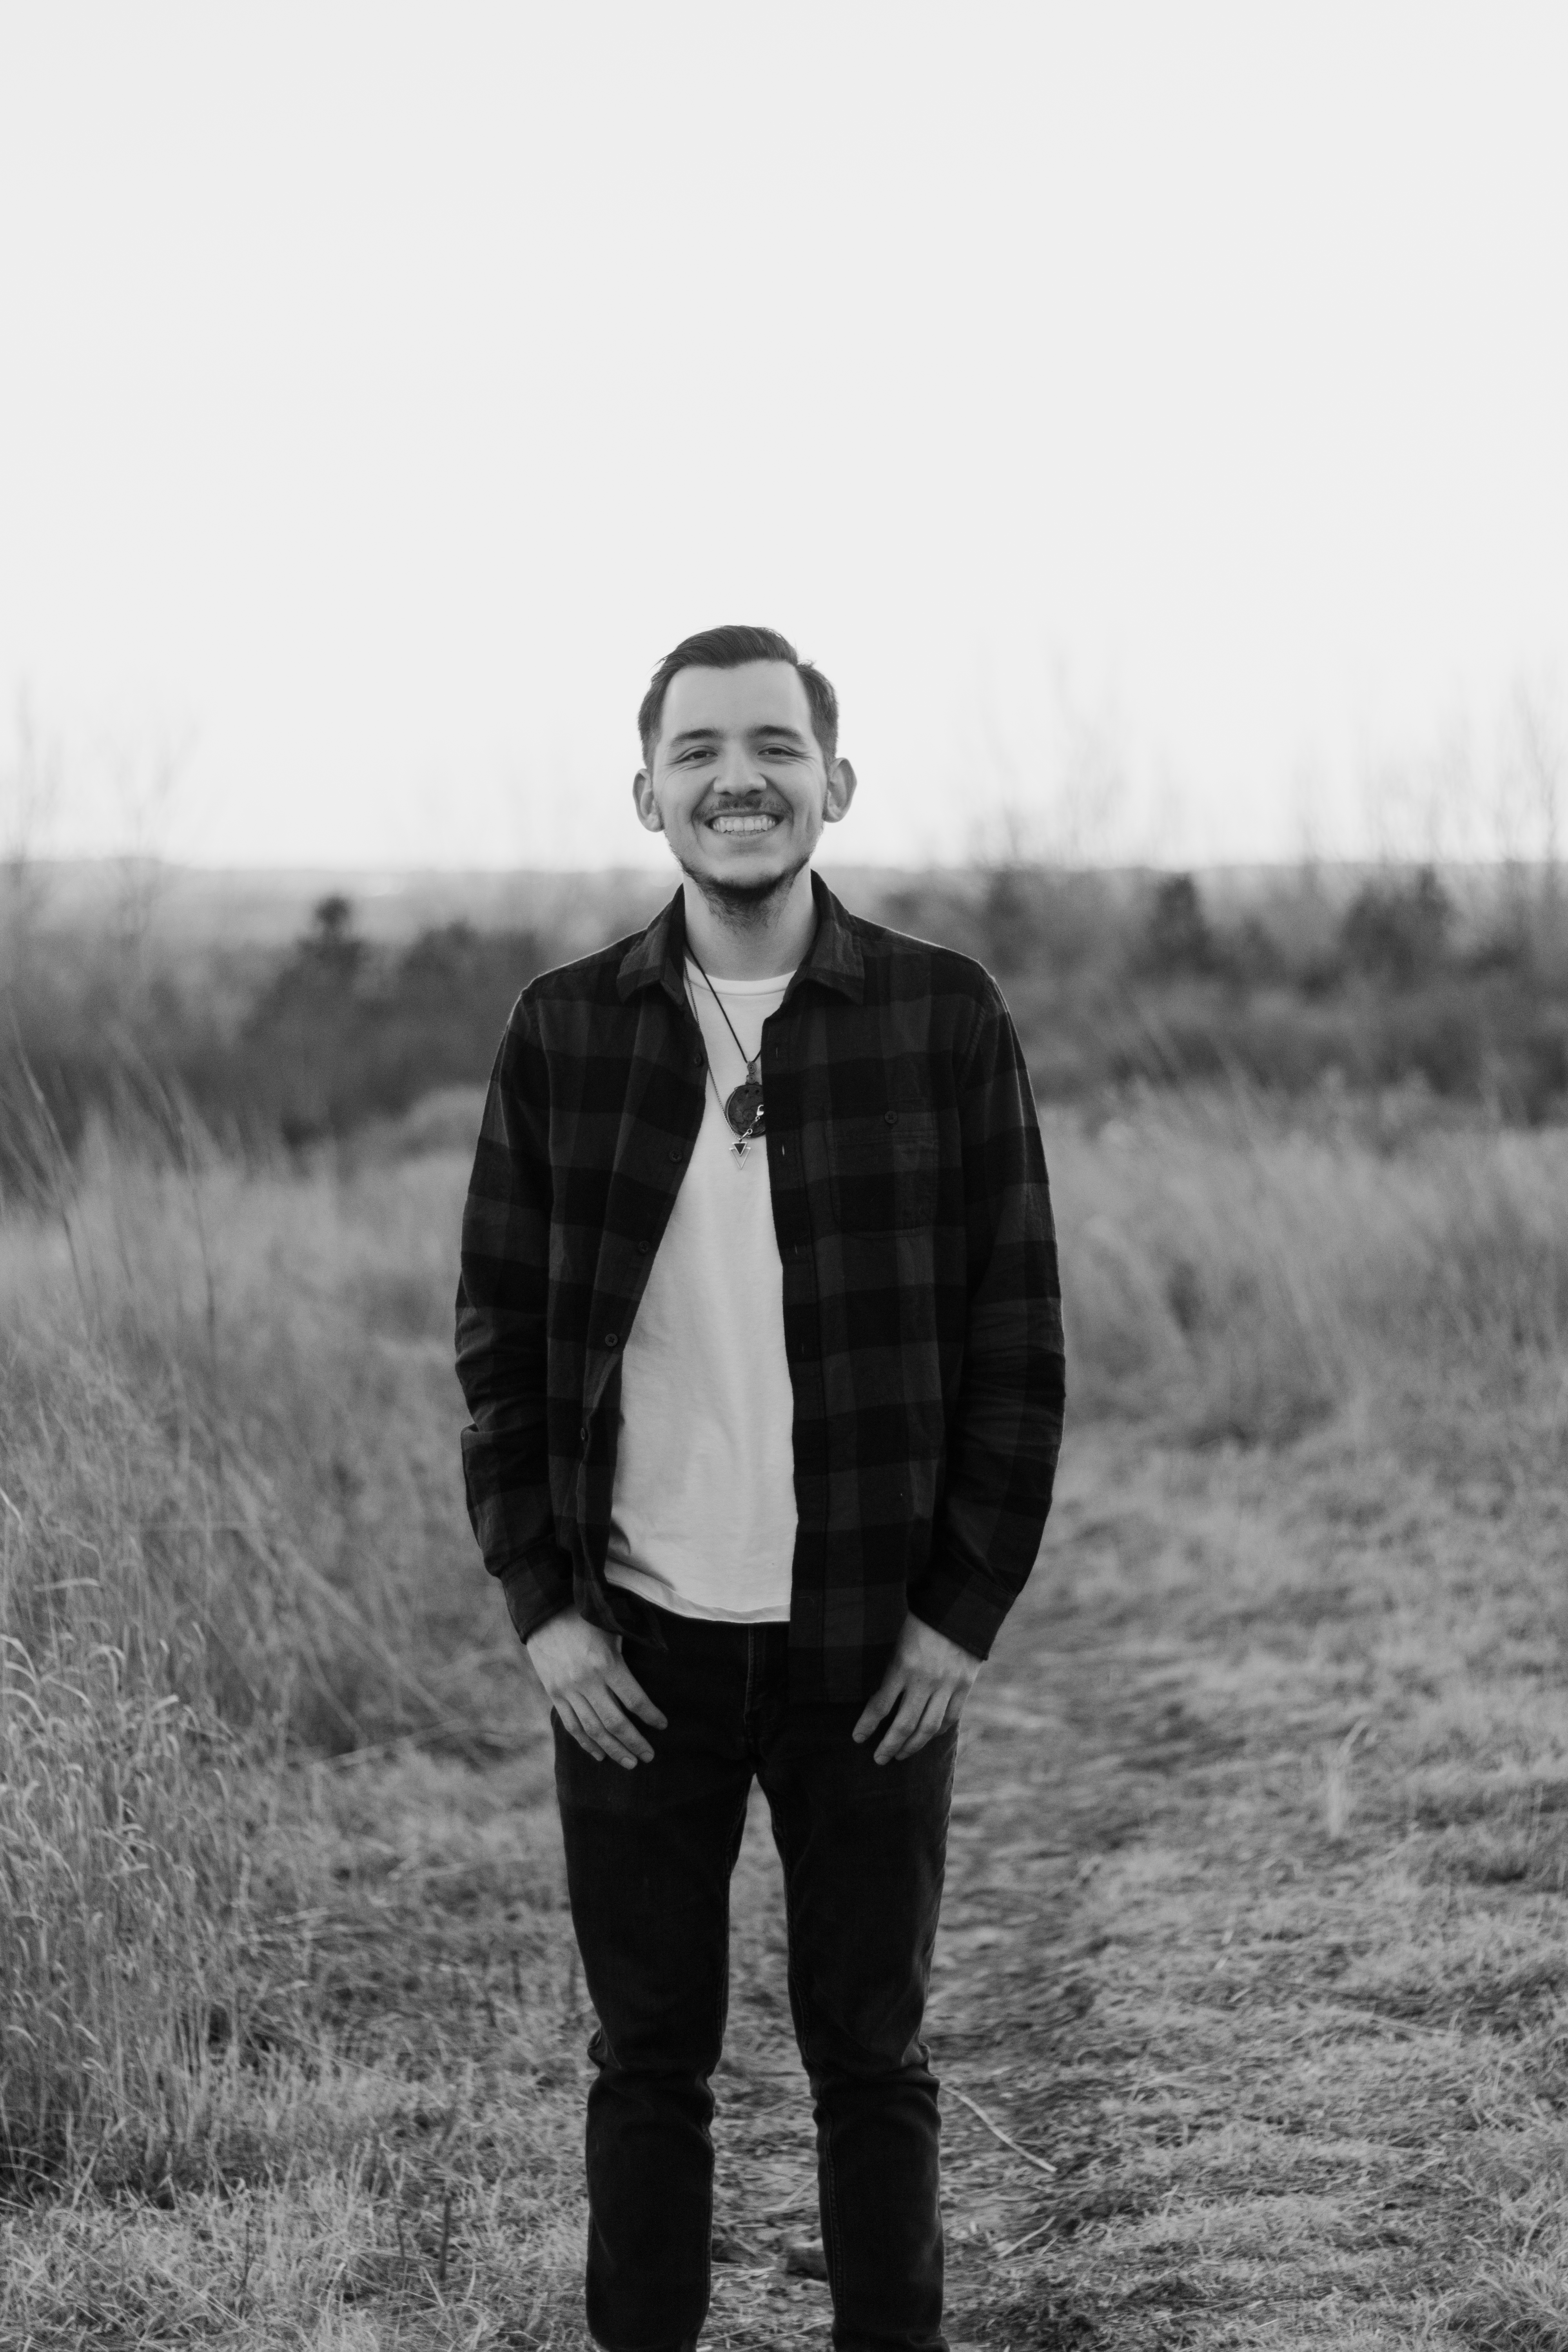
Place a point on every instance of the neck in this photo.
(752, 939)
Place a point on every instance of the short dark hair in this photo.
(730, 648)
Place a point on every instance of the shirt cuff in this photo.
(537, 1592)
(967, 1611)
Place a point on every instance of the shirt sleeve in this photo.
(501, 1333)
(1006, 1428)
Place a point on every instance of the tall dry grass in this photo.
(231, 1531)
(123, 1878)
(229, 1421)
(1230, 1274)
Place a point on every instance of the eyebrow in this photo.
(713, 734)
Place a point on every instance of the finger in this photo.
(911, 1707)
(567, 1717)
(932, 1716)
(579, 1719)
(619, 1724)
(876, 1706)
(634, 1698)
(618, 1750)
(615, 1732)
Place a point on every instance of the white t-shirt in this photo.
(703, 1519)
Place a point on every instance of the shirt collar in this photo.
(658, 957)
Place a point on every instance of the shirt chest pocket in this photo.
(883, 1170)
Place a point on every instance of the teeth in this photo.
(744, 824)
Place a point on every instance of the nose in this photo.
(737, 772)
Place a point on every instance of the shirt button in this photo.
(891, 1116)
(642, 1248)
(697, 1061)
(612, 1339)
(676, 1151)
(583, 1434)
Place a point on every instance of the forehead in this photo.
(736, 701)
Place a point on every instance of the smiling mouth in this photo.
(761, 822)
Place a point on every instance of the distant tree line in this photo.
(1114, 978)
(294, 1051)
(1111, 983)
(343, 1033)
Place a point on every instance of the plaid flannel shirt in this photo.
(922, 1309)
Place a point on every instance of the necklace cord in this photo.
(747, 1059)
(749, 1085)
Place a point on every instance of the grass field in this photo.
(1254, 1933)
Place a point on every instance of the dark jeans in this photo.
(649, 1858)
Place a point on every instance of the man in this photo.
(760, 1329)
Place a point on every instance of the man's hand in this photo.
(929, 1677)
(592, 1692)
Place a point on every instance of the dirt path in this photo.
(1210, 1946)
(1255, 1934)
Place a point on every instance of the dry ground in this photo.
(1254, 1932)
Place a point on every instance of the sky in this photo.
(1151, 417)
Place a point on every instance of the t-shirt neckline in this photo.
(741, 987)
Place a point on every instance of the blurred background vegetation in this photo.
(1446, 984)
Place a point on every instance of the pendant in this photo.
(743, 1109)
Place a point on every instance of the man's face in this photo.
(737, 782)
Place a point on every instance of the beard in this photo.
(742, 904)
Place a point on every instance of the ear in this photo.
(841, 782)
(644, 802)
